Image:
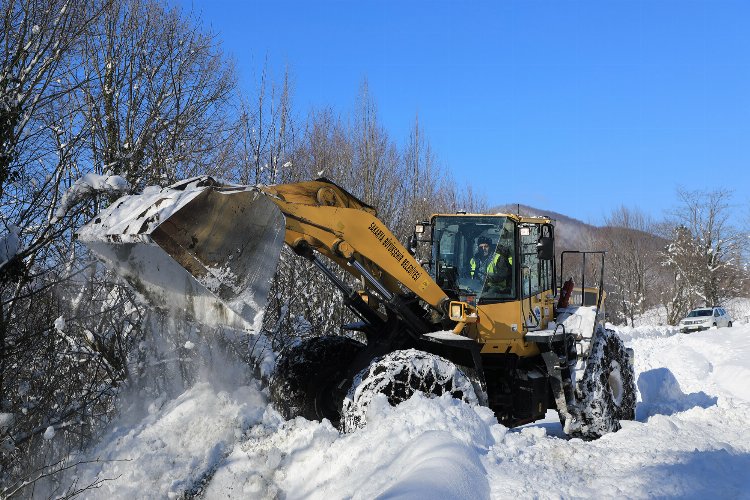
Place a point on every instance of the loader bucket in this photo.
(196, 247)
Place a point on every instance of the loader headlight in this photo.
(456, 311)
(462, 312)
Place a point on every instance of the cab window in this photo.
(536, 274)
(474, 257)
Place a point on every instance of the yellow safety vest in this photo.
(473, 263)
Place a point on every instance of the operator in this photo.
(494, 264)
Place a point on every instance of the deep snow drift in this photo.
(690, 440)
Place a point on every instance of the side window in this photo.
(536, 275)
(447, 247)
(529, 261)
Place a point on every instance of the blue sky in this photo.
(572, 106)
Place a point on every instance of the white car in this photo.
(704, 318)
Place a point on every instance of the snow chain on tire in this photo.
(606, 393)
(309, 378)
(400, 374)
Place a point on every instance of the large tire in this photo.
(399, 375)
(310, 378)
(606, 393)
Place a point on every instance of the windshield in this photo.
(473, 257)
(699, 312)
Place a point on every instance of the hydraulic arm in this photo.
(211, 249)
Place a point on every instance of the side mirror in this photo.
(545, 248)
(412, 248)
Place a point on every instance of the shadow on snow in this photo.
(661, 395)
(718, 473)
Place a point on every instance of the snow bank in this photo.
(713, 361)
(174, 448)
(628, 333)
(652, 317)
(690, 439)
(424, 448)
(739, 309)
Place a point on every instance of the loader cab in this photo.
(474, 257)
(518, 264)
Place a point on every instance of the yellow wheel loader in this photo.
(471, 308)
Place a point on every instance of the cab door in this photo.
(537, 275)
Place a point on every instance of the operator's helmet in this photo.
(483, 240)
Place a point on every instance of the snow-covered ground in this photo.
(690, 439)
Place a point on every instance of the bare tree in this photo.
(157, 94)
(376, 159)
(42, 137)
(325, 148)
(421, 181)
(632, 262)
(705, 250)
(676, 290)
(86, 86)
(266, 134)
